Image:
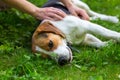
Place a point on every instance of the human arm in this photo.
(39, 13)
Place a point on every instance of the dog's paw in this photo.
(113, 19)
(110, 43)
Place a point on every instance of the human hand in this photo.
(49, 13)
(76, 11)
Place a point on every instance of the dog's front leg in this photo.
(99, 30)
(93, 14)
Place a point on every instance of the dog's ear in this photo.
(47, 27)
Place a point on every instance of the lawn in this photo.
(17, 61)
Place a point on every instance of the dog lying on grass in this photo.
(51, 37)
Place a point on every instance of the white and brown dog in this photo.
(51, 37)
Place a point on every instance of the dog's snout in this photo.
(62, 60)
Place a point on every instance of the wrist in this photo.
(67, 3)
(34, 12)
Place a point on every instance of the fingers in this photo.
(56, 14)
(80, 14)
(51, 13)
(84, 15)
(74, 10)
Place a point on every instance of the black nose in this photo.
(62, 61)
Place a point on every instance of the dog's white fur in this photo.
(80, 31)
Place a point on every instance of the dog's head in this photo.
(50, 41)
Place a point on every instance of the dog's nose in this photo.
(62, 60)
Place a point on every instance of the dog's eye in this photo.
(50, 44)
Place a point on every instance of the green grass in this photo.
(18, 63)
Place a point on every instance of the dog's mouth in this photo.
(70, 54)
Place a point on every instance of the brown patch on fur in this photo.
(43, 42)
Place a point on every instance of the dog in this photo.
(51, 37)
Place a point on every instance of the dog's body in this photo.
(51, 37)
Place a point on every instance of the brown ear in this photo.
(49, 28)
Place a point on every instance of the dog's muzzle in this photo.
(62, 60)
